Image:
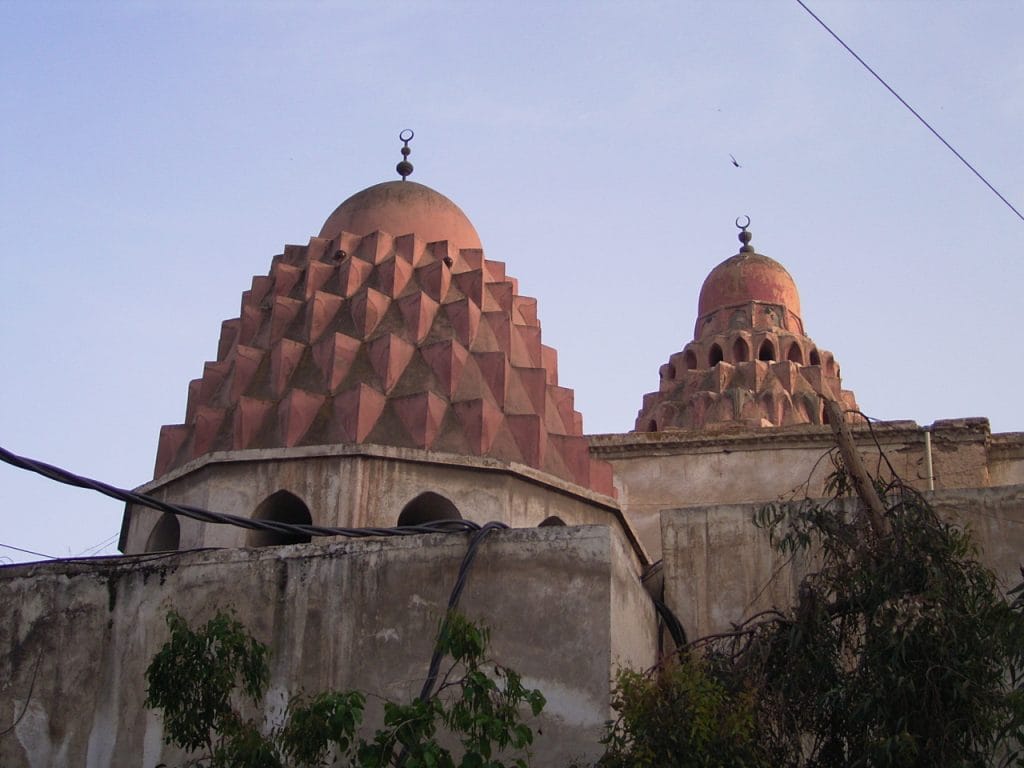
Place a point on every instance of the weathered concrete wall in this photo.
(719, 568)
(361, 486)
(564, 605)
(1006, 459)
(668, 470)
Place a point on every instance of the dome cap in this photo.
(402, 208)
(748, 276)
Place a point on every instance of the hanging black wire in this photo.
(913, 111)
(222, 518)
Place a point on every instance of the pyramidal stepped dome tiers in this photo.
(750, 363)
(391, 328)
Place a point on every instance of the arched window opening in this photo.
(553, 520)
(715, 355)
(830, 366)
(795, 354)
(668, 371)
(767, 351)
(690, 360)
(428, 507)
(281, 507)
(166, 534)
(740, 350)
(652, 425)
(815, 357)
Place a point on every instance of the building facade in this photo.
(388, 374)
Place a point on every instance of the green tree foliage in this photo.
(900, 651)
(681, 717)
(201, 676)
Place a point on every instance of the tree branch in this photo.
(855, 466)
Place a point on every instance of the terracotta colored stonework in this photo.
(412, 341)
(750, 363)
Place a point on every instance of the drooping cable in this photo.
(913, 111)
(206, 516)
(479, 533)
(453, 601)
(27, 551)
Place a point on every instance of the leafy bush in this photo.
(199, 678)
(900, 651)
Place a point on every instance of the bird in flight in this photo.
(734, 161)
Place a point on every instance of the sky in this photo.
(154, 156)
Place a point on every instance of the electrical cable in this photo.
(28, 551)
(913, 111)
(453, 601)
(90, 551)
(28, 698)
(479, 533)
(206, 516)
(672, 623)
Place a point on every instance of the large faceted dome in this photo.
(400, 208)
(389, 328)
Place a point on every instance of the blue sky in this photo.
(157, 155)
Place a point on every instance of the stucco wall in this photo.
(719, 568)
(669, 470)
(361, 486)
(564, 605)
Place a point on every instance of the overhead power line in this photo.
(222, 518)
(913, 111)
(28, 551)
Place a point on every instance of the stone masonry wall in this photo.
(565, 607)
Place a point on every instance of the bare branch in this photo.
(858, 475)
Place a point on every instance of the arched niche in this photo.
(689, 360)
(715, 355)
(549, 521)
(668, 372)
(815, 357)
(166, 534)
(652, 425)
(281, 507)
(766, 351)
(428, 507)
(795, 354)
(740, 350)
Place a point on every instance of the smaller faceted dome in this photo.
(750, 364)
(746, 277)
(402, 208)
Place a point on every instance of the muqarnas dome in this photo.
(389, 328)
(750, 364)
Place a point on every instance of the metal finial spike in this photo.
(744, 235)
(404, 167)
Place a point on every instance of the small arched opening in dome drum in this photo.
(795, 354)
(715, 355)
(428, 507)
(280, 507)
(740, 350)
(166, 534)
(767, 351)
(815, 357)
(689, 360)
